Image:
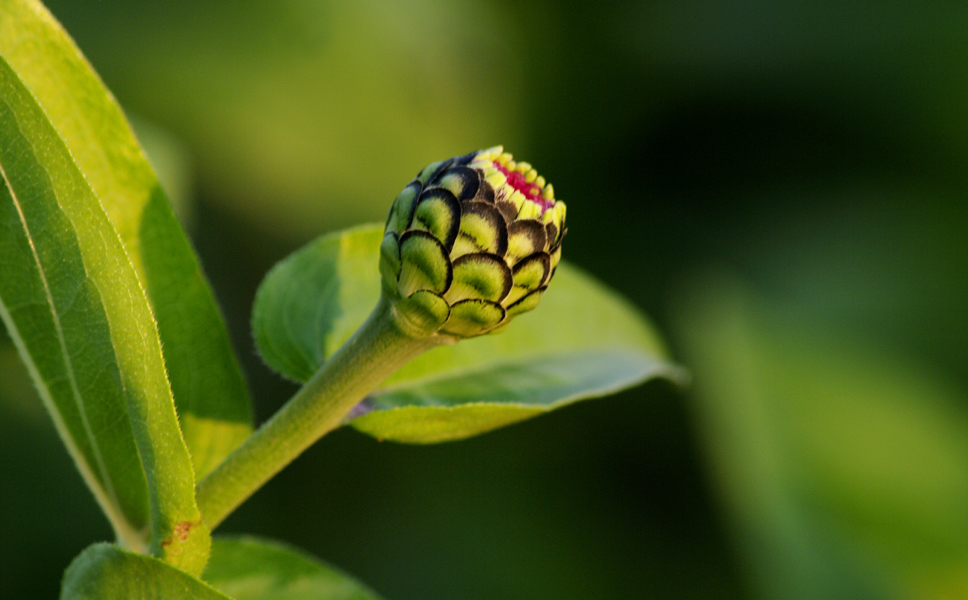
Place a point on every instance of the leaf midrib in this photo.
(498, 364)
(106, 493)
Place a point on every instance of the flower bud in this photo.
(471, 243)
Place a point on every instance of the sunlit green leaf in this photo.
(208, 386)
(80, 319)
(252, 569)
(844, 465)
(583, 341)
(105, 572)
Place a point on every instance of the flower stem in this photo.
(378, 348)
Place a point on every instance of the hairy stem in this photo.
(378, 348)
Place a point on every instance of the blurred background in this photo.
(781, 186)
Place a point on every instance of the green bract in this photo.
(470, 243)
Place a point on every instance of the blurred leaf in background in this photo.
(844, 465)
(172, 163)
(294, 103)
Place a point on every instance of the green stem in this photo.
(379, 347)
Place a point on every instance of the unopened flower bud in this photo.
(471, 243)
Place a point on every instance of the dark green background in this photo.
(780, 185)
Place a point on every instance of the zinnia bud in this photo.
(470, 243)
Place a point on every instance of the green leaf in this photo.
(106, 572)
(210, 392)
(843, 464)
(248, 568)
(80, 319)
(583, 341)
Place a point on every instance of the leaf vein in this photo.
(62, 342)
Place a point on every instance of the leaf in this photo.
(583, 341)
(209, 389)
(843, 465)
(248, 568)
(106, 572)
(314, 300)
(74, 307)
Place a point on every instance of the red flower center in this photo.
(530, 191)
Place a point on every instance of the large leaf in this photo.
(252, 569)
(210, 392)
(583, 341)
(844, 466)
(80, 319)
(106, 572)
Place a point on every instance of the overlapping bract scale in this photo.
(470, 243)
